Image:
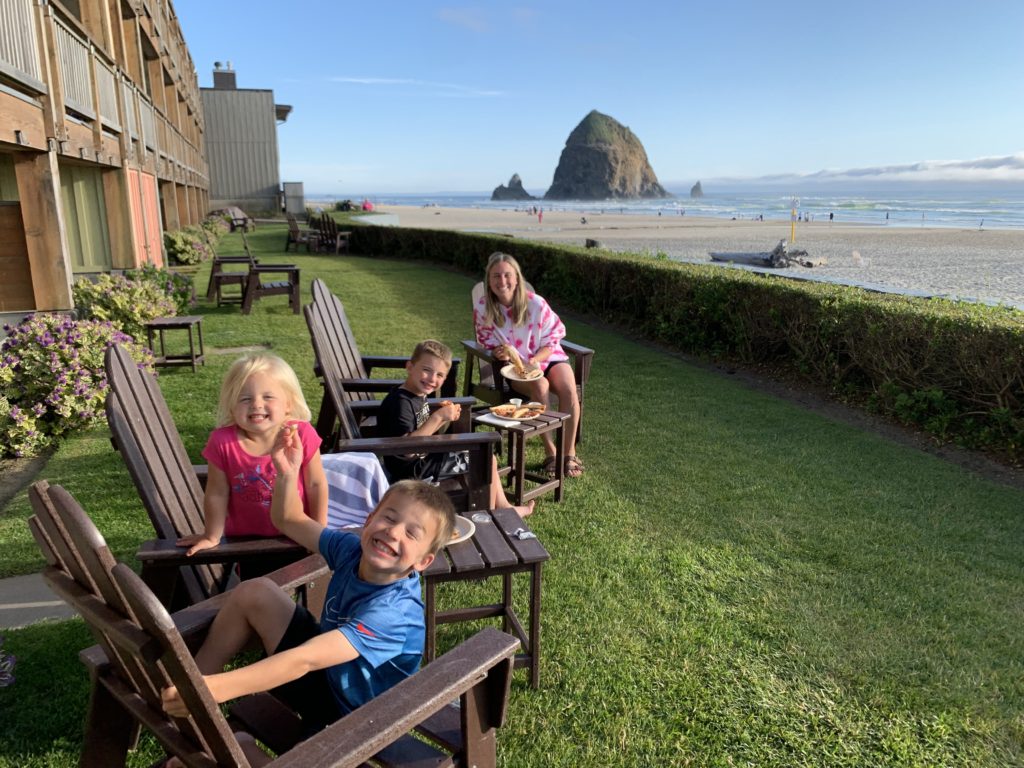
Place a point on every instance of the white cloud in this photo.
(441, 89)
(1007, 168)
(470, 18)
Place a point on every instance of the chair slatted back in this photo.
(333, 367)
(337, 331)
(137, 635)
(144, 433)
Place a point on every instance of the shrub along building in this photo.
(241, 144)
(101, 143)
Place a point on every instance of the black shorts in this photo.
(552, 365)
(310, 695)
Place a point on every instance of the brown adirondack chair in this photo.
(143, 432)
(344, 430)
(300, 236)
(493, 388)
(142, 649)
(331, 238)
(255, 280)
(337, 341)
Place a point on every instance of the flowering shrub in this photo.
(188, 245)
(178, 287)
(6, 668)
(128, 304)
(52, 379)
(216, 227)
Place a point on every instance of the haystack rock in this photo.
(514, 190)
(696, 191)
(603, 159)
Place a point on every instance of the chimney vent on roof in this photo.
(223, 79)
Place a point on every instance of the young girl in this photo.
(259, 397)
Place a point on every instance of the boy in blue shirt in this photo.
(371, 633)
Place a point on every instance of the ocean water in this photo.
(969, 207)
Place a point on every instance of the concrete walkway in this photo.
(26, 599)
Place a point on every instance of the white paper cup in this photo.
(516, 401)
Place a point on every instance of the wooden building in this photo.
(101, 143)
(241, 144)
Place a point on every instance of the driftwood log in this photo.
(780, 256)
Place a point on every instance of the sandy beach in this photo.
(980, 264)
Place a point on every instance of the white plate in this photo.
(464, 528)
(497, 421)
(509, 372)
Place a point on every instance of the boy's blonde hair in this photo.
(260, 362)
(437, 504)
(435, 348)
(493, 310)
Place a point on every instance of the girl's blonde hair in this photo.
(260, 362)
(493, 310)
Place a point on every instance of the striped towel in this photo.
(356, 483)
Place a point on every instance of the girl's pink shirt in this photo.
(251, 479)
(542, 328)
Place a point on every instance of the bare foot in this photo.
(525, 510)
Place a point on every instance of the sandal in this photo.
(573, 466)
(550, 467)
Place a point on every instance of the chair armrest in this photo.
(370, 385)
(235, 550)
(479, 668)
(263, 268)
(400, 446)
(582, 359)
(476, 349)
(576, 349)
(384, 361)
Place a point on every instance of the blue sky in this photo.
(427, 97)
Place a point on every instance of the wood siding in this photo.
(241, 147)
(16, 284)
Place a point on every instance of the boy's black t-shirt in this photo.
(400, 413)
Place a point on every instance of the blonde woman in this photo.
(510, 314)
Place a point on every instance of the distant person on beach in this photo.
(831, 216)
(540, 216)
(511, 314)
(583, 219)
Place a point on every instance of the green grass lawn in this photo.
(734, 581)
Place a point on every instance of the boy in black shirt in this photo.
(405, 412)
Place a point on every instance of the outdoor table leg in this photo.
(535, 626)
(430, 606)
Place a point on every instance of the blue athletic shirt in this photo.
(385, 624)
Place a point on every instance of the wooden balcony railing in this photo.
(19, 44)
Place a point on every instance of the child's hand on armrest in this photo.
(197, 542)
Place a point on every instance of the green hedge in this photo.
(955, 369)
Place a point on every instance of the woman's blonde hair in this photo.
(493, 310)
(260, 362)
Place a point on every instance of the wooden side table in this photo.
(502, 546)
(183, 322)
(519, 476)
